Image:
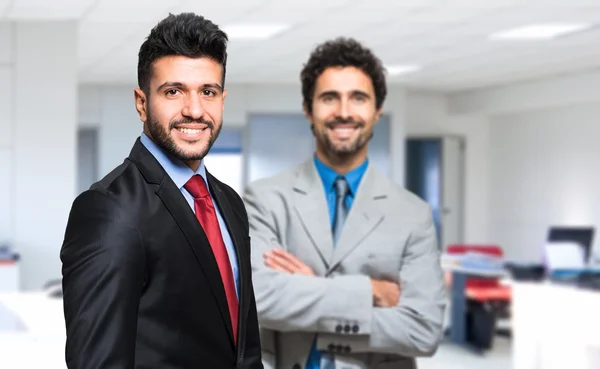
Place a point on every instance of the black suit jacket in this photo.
(141, 286)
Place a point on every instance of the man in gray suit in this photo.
(345, 263)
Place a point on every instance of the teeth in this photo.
(190, 131)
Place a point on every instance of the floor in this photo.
(450, 356)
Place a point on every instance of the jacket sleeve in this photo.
(253, 353)
(103, 273)
(415, 326)
(297, 302)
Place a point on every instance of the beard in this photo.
(343, 148)
(163, 138)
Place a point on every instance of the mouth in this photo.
(344, 131)
(192, 133)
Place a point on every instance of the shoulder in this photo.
(273, 188)
(104, 216)
(104, 194)
(122, 192)
(283, 181)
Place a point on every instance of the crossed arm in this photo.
(385, 293)
(291, 298)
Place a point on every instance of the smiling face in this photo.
(183, 110)
(343, 114)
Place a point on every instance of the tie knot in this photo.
(197, 187)
(341, 187)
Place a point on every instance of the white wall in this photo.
(545, 169)
(38, 124)
(45, 126)
(543, 158)
(5, 153)
(5, 131)
(562, 91)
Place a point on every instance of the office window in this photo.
(224, 161)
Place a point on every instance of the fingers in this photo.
(279, 259)
(289, 258)
(387, 293)
(278, 263)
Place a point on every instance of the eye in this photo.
(328, 98)
(208, 93)
(360, 98)
(171, 92)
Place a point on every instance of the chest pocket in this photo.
(381, 255)
(382, 265)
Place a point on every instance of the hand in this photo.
(385, 294)
(285, 262)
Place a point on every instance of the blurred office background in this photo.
(492, 116)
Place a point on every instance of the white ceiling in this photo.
(447, 37)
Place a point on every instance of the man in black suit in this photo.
(156, 255)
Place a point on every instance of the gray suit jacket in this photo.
(388, 234)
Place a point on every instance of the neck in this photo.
(193, 164)
(342, 163)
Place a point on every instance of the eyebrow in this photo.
(181, 85)
(337, 93)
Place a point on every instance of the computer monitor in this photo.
(581, 235)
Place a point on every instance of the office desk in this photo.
(458, 299)
(33, 333)
(555, 327)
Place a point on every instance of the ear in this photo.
(378, 114)
(224, 96)
(307, 112)
(140, 104)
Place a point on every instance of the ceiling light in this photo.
(395, 70)
(539, 31)
(253, 31)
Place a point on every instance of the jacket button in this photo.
(347, 328)
(339, 328)
(355, 328)
(296, 366)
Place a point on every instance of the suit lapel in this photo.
(311, 205)
(364, 216)
(192, 230)
(235, 231)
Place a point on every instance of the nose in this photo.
(193, 107)
(344, 109)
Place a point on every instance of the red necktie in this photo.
(207, 216)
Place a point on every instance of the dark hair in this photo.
(185, 34)
(342, 52)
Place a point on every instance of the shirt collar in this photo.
(179, 172)
(328, 175)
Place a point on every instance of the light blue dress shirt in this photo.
(328, 176)
(181, 174)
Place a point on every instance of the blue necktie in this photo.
(315, 358)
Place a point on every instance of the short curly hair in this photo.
(342, 52)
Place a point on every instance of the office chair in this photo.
(487, 298)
